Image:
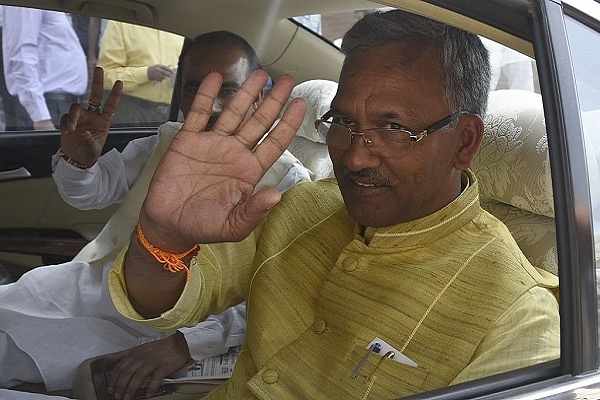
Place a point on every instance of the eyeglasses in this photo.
(382, 142)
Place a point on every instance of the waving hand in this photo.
(202, 189)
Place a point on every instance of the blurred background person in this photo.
(8, 102)
(145, 60)
(44, 65)
(510, 69)
(89, 30)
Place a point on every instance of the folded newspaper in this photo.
(214, 370)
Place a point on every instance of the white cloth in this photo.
(62, 315)
(6, 394)
(59, 316)
(41, 55)
(217, 333)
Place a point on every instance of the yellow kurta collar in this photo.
(432, 226)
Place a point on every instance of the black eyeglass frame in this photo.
(414, 136)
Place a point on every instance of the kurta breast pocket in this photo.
(381, 377)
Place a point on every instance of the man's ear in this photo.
(471, 133)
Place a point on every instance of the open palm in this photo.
(202, 189)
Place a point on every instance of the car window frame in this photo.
(574, 234)
(578, 305)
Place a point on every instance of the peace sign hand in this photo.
(83, 132)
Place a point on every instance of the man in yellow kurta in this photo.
(388, 281)
(145, 60)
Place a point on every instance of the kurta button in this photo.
(270, 375)
(319, 326)
(350, 264)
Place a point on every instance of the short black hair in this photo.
(225, 38)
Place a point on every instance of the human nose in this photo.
(359, 156)
(364, 135)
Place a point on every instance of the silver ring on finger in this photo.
(94, 107)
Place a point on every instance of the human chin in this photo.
(365, 211)
(367, 215)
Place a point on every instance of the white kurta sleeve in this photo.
(215, 335)
(106, 182)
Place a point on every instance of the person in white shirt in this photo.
(44, 65)
(77, 291)
(510, 69)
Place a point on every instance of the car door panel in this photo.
(34, 220)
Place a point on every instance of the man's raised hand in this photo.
(83, 131)
(202, 189)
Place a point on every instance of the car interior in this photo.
(57, 231)
(513, 164)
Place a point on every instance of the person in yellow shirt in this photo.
(389, 280)
(145, 60)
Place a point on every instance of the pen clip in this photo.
(388, 355)
(373, 348)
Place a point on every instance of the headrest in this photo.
(318, 94)
(513, 170)
(535, 234)
(513, 164)
(309, 145)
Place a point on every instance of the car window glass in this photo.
(585, 50)
(144, 59)
(331, 26)
(510, 68)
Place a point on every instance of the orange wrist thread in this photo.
(171, 262)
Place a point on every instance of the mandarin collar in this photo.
(429, 228)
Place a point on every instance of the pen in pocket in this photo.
(373, 348)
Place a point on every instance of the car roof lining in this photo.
(475, 16)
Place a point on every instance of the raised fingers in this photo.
(201, 107)
(281, 135)
(96, 92)
(112, 102)
(269, 110)
(96, 89)
(236, 110)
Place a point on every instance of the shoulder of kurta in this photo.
(518, 263)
